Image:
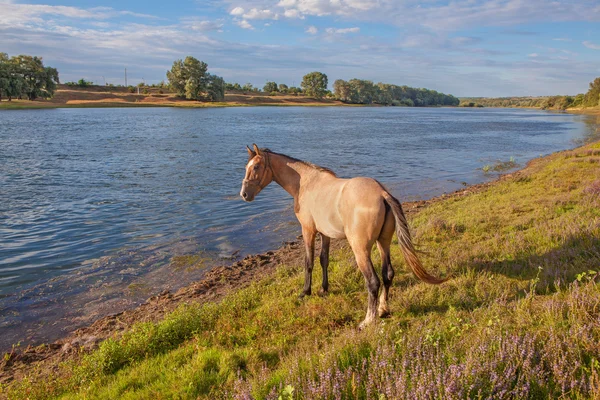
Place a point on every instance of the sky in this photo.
(461, 47)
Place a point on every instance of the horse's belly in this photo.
(331, 229)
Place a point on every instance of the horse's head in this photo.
(258, 173)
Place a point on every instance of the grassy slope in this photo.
(520, 319)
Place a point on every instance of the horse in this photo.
(359, 209)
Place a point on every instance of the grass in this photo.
(500, 166)
(519, 319)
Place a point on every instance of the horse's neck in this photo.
(288, 173)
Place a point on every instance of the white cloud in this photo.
(201, 25)
(439, 16)
(244, 24)
(19, 14)
(591, 45)
(342, 31)
(237, 11)
(562, 39)
(293, 14)
(255, 13)
(533, 55)
(287, 3)
(312, 30)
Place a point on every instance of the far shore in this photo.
(105, 96)
(120, 97)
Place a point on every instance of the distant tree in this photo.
(4, 75)
(270, 87)
(592, 97)
(215, 88)
(248, 87)
(233, 86)
(27, 76)
(283, 88)
(315, 84)
(83, 83)
(188, 77)
(342, 90)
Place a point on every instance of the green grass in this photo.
(524, 298)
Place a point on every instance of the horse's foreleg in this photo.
(324, 259)
(309, 244)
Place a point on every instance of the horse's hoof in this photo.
(364, 324)
(303, 295)
(384, 313)
(323, 293)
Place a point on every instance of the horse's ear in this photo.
(251, 154)
(256, 149)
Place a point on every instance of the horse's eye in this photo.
(256, 167)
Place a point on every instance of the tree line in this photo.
(589, 99)
(358, 91)
(313, 84)
(26, 76)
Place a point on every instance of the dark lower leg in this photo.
(372, 283)
(309, 244)
(387, 273)
(324, 259)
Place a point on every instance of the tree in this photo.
(233, 86)
(26, 75)
(592, 97)
(4, 74)
(215, 88)
(315, 84)
(188, 77)
(83, 83)
(283, 88)
(270, 87)
(342, 90)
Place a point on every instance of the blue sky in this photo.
(462, 47)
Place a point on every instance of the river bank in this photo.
(106, 97)
(523, 253)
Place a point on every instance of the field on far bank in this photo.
(520, 317)
(105, 96)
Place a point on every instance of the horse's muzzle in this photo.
(247, 196)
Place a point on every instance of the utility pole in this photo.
(125, 77)
(104, 79)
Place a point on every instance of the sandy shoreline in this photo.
(114, 97)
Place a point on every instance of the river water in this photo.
(94, 203)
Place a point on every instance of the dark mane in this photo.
(309, 164)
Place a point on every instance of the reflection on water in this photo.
(96, 202)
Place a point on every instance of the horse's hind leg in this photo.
(324, 258)
(387, 272)
(363, 259)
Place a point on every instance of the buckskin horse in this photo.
(359, 209)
